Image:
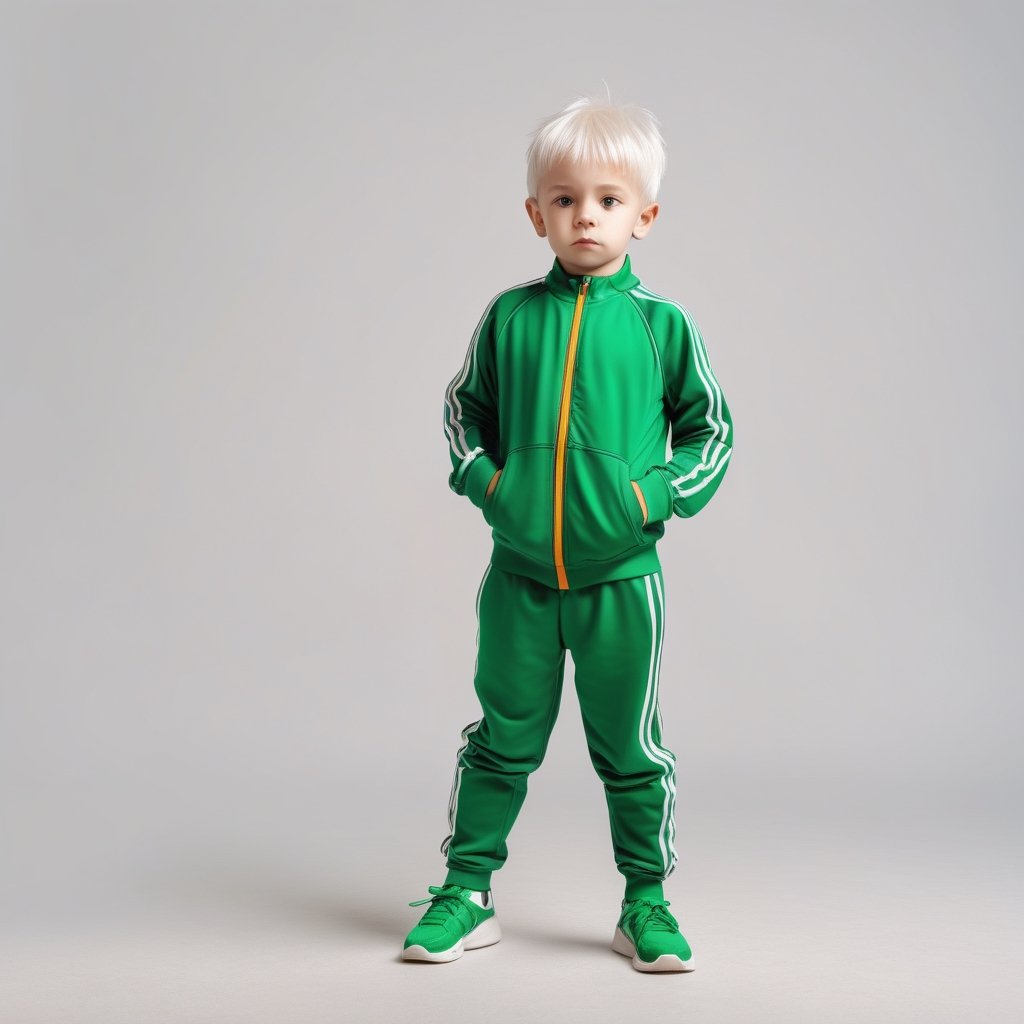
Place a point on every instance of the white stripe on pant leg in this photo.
(651, 707)
(664, 750)
(657, 708)
(453, 799)
(646, 741)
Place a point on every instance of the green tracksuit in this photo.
(576, 386)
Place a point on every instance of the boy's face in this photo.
(596, 202)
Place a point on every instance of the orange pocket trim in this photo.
(640, 495)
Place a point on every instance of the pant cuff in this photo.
(478, 880)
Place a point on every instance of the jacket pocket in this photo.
(519, 508)
(602, 517)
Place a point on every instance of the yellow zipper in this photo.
(563, 433)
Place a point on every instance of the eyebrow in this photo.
(568, 188)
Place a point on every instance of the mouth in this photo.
(585, 241)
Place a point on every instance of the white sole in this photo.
(666, 962)
(484, 934)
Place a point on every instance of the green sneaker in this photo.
(649, 934)
(458, 919)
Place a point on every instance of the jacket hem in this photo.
(637, 562)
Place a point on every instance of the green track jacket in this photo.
(571, 386)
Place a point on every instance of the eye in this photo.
(567, 202)
(611, 199)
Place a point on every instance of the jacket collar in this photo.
(566, 286)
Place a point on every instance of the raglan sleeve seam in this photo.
(471, 416)
(701, 427)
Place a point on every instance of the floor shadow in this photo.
(233, 888)
(560, 940)
(224, 888)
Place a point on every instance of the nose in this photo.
(584, 212)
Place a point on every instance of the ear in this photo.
(645, 220)
(536, 217)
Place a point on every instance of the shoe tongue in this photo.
(481, 899)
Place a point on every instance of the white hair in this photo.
(590, 131)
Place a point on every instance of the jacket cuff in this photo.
(478, 476)
(657, 494)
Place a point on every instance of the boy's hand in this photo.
(640, 496)
(493, 483)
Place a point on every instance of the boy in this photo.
(558, 426)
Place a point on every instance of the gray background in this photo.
(244, 249)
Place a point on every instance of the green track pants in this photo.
(614, 632)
